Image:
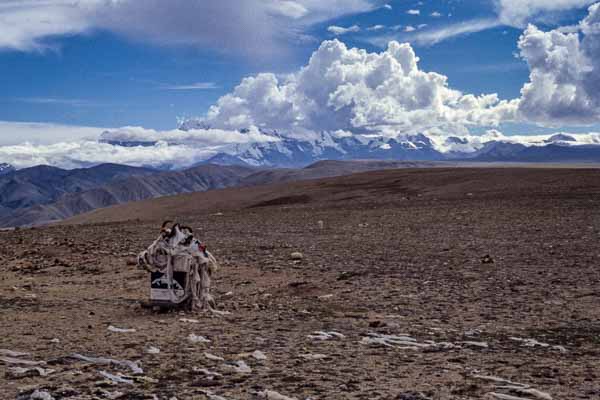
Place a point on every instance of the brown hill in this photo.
(396, 185)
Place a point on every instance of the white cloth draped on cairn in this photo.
(177, 250)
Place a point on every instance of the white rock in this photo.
(500, 396)
(322, 335)
(310, 356)
(135, 368)
(19, 361)
(259, 355)
(240, 367)
(189, 321)
(213, 357)
(11, 353)
(208, 373)
(116, 378)
(271, 395)
(296, 255)
(483, 345)
(197, 339)
(120, 330)
(152, 350)
(40, 395)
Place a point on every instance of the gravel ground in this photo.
(420, 291)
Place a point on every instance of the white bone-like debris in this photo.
(24, 372)
(215, 397)
(272, 395)
(116, 378)
(210, 374)
(497, 379)
(40, 395)
(482, 345)
(403, 342)
(536, 343)
(507, 385)
(212, 357)
(120, 330)
(240, 367)
(135, 368)
(197, 338)
(211, 395)
(259, 355)
(538, 394)
(152, 350)
(189, 320)
(220, 313)
(111, 395)
(11, 353)
(310, 356)
(322, 335)
(501, 396)
(19, 361)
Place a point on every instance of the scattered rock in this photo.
(134, 367)
(11, 353)
(310, 356)
(259, 355)
(36, 394)
(19, 372)
(240, 367)
(487, 259)
(212, 357)
(197, 339)
(321, 335)
(116, 378)
(412, 396)
(189, 320)
(296, 255)
(120, 330)
(152, 350)
(19, 361)
(271, 395)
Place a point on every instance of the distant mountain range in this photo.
(44, 194)
(293, 152)
(6, 168)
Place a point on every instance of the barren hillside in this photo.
(418, 284)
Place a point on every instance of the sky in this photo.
(72, 69)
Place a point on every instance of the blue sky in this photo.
(107, 79)
(70, 64)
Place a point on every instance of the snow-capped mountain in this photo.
(6, 168)
(296, 150)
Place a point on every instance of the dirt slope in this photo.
(491, 272)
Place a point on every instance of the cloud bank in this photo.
(348, 90)
(250, 27)
(351, 89)
(518, 12)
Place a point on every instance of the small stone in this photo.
(487, 259)
(296, 255)
(259, 355)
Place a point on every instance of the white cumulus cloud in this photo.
(564, 86)
(351, 89)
